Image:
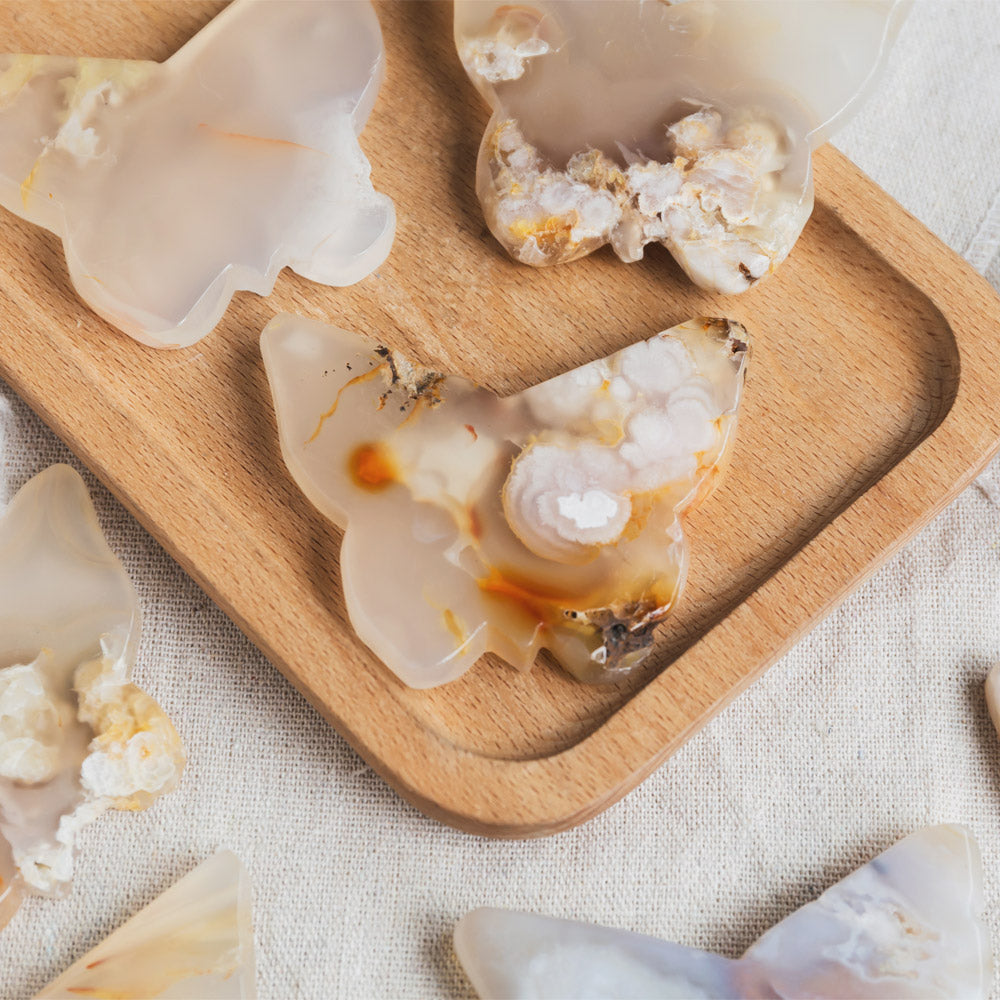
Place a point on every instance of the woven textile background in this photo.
(870, 728)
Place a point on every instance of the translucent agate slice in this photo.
(689, 124)
(173, 186)
(993, 696)
(195, 942)
(76, 737)
(905, 925)
(550, 518)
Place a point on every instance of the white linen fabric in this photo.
(873, 726)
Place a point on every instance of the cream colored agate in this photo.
(993, 696)
(905, 925)
(173, 186)
(76, 736)
(629, 122)
(194, 942)
(550, 518)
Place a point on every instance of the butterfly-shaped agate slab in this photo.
(904, 926)
(687, 124)
(193, 942)
(76, 736)
(472, 522)
(173, 186)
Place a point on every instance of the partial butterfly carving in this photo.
(194, 941)
(905, 926)
(77, 737)
(173, 186)
(687, 124)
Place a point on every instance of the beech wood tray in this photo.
(872, 399)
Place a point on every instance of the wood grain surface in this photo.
(871, 401)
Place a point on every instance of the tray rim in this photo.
(555, 792)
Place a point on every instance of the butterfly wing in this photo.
(174, 186)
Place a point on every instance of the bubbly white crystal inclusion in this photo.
(76, 736)
(905, 925)
(691, 124)
(173, 186)
(194, 942)
(551, 518)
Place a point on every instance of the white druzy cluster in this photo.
(634, 423)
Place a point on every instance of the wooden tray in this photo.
(871, 401)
